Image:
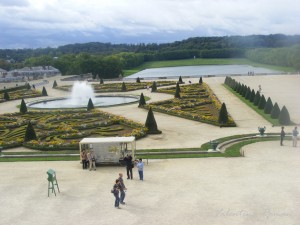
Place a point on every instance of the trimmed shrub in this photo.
(101, 81)
(123, 86)
(248, 93)
(275, 111)
(151, 123)
(6, 96)
(177, 92)
(138, 80)
(154, 87)
(142, 100)
(256, 98)
(269, 106)
(180, 80)
(23, 107)
(252, 96)
(284, 117)
(54, 84)
(44, 92)
(90, 105)
(244, 91)
(30, 133)
(28, 86)
(223, 115)
(262, 102)
(200, 80)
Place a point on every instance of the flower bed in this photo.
(117, 87)
(22, 92)
(63, 129)
(196, 102)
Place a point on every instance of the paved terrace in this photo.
(261, 188)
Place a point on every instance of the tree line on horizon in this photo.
(108, 60)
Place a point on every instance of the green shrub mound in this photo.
(151, 123)
(90, 105)
(44, 92)
(223, 115)
(23, 107)
(142, 100)
(284, 117)
(269, 106)
(262, 102)
(30, 133)
(275, 111)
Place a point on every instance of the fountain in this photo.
(81, 93)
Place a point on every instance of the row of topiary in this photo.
(260, 101)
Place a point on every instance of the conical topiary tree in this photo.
(268, 106)
(28, 86)
(256, 99)
(180, 80)
(6, 96)
(262, 102)
(54, 84)
(90, 105)
(30, 133)
(223, 115)
(124, 86)
(138, 80)
(142, 100)
(248, 93)
(177, 91)
(154, 87)
(244, 91)
(252, 96)
(275, 111)
(101, 81)
(284, 116)
(44, 92)
(151, 123)
(200, 80)
(23, 107)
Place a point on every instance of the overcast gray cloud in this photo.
(42, 23)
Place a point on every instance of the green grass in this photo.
(201, 61)
(255, 108)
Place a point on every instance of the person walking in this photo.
(295, 136)
(115, 191)
(140, 166)
(84, 159)
(122, 188)
(282, 135)
(92, 159)
(129, 166)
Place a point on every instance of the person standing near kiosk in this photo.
(129, 166)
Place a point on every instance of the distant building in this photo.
(30, 73)
(2, 73)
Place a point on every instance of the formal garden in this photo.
(19, 92)
(56, 130)
(195, 102)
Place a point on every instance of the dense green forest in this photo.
(108, 60)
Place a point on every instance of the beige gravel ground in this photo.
(261, 188)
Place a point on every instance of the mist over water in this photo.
(81, 92)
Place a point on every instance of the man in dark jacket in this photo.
(129, 166)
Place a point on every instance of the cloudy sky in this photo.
(51, 23)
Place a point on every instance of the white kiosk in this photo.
(109, 149)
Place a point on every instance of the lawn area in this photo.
(201, 61)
